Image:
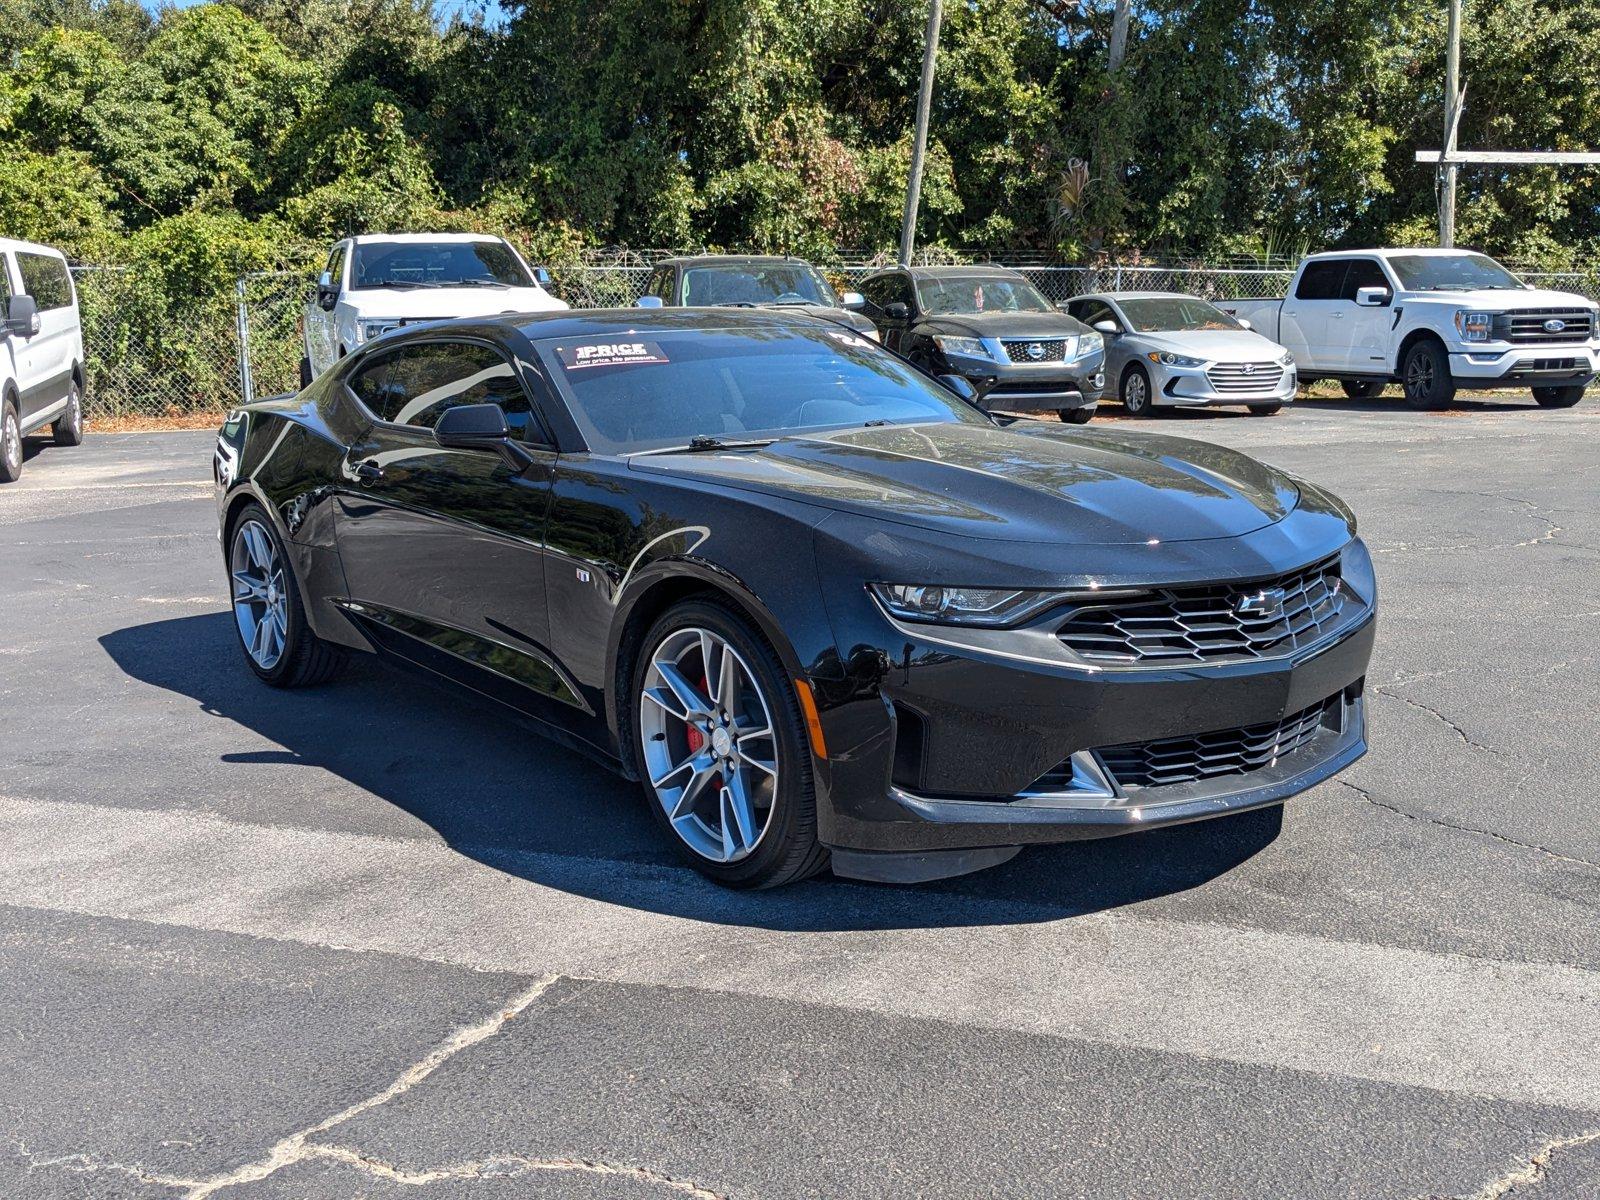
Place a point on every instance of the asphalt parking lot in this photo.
(369, 941)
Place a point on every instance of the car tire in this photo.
(1265, 410)
(1425, 375)
(10, 443)
(305, 374)
(1135, 392)
(1081, 415)
(67, 429)
(1362, 389)
(775, 841)
(274, 635)
(1558, 397)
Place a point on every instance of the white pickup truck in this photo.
(380, 281)
(1433, 321)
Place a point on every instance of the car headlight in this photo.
(966, 347)
(1089, 344)
(871, 333)
(367, 330)
(939, 604)
(1168, 359)
(1286, 359)
(1355, 570)
(1474, 326)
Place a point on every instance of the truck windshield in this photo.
(969, 294)
(1451, 272)
(757, 283)
(437, 264)
(653, 390)
(1167, 314)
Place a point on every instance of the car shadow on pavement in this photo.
(499, 793)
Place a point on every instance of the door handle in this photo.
(1337, 316)
(368, 471)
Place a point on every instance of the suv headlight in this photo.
(1474, 326)
(367, 330)
(1090, 343)
(940, 604)
(1168, 359)
(966, 347)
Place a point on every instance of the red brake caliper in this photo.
(697, 739)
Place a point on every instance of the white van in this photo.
(41, 351)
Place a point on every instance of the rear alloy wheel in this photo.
(277, 642)
(1136, 392)
(721, 750)
(1081, 415)
(1558, 397)
(68, 427)
(10, 444)
(1425, 375)
(1362, 389)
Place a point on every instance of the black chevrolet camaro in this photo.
(823, 609)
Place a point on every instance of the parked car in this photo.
(991, 327)
(41, 351)
(1435, 321)
(1167, 350)
(820, 607)
(381, 281)
(753, 281)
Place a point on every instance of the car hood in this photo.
(1007, 325)
(411, 304)
(1502, 299)
(1217, 345)
(1030, 481)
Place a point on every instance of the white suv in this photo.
(41, 351)
(380, 281)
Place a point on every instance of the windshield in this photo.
(1170, 314)
(967, 294)
(437, 264)
(1451, 272)
(757, 283)
(631, 392)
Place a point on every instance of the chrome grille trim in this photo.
(1232, 377)
(1193, 757)
(1526, 326)
(1202, 624)
(1052, 349)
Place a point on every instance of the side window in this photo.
(1096, 310)
(45, 278)
(1363, 272)
(336, 266)
(903, 292)
(416, 384)
(876, 291)
(661, 286)
(1320, 280)
(5, 284)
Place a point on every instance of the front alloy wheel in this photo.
(709, 744)
(1136, 392)
(10, 444)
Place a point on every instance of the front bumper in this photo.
(1193, 386)
(1524, 366)
(1005, 386)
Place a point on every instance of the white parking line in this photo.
(1515, 1031)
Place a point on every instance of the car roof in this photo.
(364, 239)
(29, 247)
(1138, 296)
(974, 271)
(612, 322)
(1428, 251)
(728, 260)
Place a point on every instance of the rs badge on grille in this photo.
(1266, 605)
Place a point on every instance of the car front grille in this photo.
(1220, 752)
(1528, 325)
(1021, 350)
(1211, 623)
(1245, 377)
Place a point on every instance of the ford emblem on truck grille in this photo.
(1554, 325)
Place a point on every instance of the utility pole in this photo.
(1452, 100)
(919, 142)
(1119, 34)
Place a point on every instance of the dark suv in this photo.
(993, 328)
(753, 281)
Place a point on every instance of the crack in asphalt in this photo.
(1534, 1169)
(511, 1166)
(84, 1164)
(1468, 739)
(1443, 824)
(1552, 529)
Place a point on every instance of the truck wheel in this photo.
(1362, 389)
(1136, 392)
(305, 374)
(67, 429)
(1426, 376)
(1558, 397)
(10, 443)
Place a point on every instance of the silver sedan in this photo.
(1164, 349)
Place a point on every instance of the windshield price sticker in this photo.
(611, 354)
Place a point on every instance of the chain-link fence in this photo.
(149, 359)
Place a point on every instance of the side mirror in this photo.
(1243, 323)
(541, 276)
(1373, 297)
(854, 301)
(480, 427)
(896, 310)
(1109, 328)
(22, 317)
(961, 386)
(649, 302)
(327, 293)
